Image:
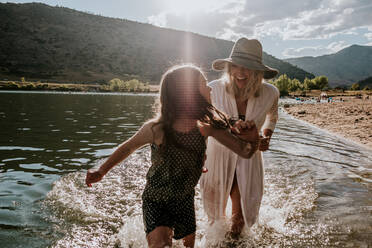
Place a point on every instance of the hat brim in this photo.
(220, 64)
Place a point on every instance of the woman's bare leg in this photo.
(189, 240)
(160, 237)
(237, 214)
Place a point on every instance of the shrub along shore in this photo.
(114, 85)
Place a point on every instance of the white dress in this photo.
(222, 163)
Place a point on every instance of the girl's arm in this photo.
(238, 145)
(141, 138)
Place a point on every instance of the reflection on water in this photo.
(44, 136)
(318, 187)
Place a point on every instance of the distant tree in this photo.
(115, 84)
(320, 82)
(133, 84)
(309, 84)
(366, 88)
(295, 85)
(355, 86)
(282, 83)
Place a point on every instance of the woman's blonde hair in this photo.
(252, 88)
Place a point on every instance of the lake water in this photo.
(318, 187)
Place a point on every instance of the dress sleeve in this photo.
(272, 115)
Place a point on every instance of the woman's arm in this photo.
(141, 138)
(238, 144)
(269, 125)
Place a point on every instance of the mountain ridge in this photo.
(43, 42)
(344, 67)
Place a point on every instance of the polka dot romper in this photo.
(168, 198)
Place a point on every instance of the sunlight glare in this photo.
(189, 7)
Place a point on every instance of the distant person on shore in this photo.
(242, 94)
(178, 142)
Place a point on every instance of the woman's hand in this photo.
(264, 144)
(265, 140)
(93, 176)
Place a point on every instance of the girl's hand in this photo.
(240, 126)
(93, 177)
(249, 132)
(205, 129)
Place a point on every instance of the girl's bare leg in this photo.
(237, 214)
(189, 240)
(160, 237)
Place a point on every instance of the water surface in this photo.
(318, 187)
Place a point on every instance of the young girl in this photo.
(178, 143)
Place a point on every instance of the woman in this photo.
(177, 139)
(242, 94)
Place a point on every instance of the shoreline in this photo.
(350, 119)
(75, 87)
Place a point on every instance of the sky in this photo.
(286, 28)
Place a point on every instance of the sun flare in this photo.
(190, 7)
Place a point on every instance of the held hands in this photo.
(247, 131)
(93, 176)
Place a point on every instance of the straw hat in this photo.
(248, 54)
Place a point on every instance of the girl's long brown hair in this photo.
(180, 95)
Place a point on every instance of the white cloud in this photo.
(303, 51)
(368, 36)
(315, 50)
(306, 19)
(321, 23)
(158, 20)
(337, 46)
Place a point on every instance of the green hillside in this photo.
(367, 82)
(345, 67)
(41, 42)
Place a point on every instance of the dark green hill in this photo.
(345, 67)
(365, 82)
(55, 43)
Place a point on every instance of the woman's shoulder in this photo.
(216, 83)
(271, 89)
(218, 89)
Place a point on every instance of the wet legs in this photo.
(160, 237)
(237, 214)
(189, 240)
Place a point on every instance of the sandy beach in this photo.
(350, 118)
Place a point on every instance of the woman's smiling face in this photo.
(240, 75)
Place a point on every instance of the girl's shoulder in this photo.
(153, 129)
